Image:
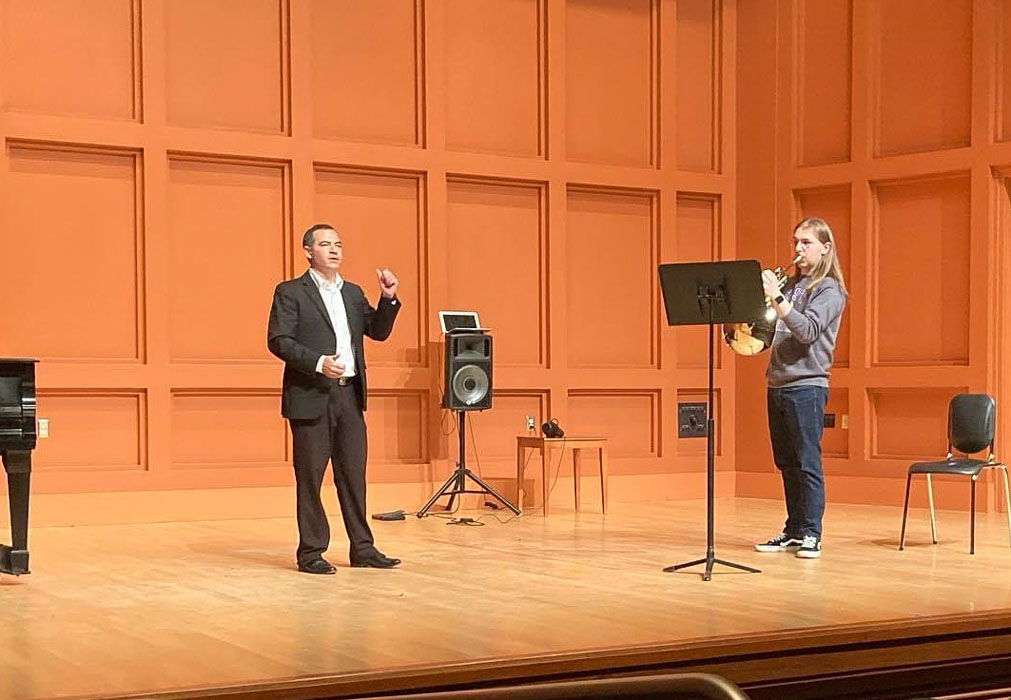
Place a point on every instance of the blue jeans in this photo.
(796, 420)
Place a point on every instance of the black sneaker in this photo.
(780, 543)
(810, 548)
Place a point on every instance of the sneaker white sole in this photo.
(768, 549)
(809, 555)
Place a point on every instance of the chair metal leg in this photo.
(933, 514)
(905, 511)
(1007, 502)
(972, 516)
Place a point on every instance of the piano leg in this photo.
(14, 559)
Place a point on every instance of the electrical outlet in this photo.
(530, 423)
(43, 427)
(692, 420)
(845, 421)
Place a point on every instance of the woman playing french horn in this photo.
(808, 311)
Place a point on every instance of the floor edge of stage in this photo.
(837, 653)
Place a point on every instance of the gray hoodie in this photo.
(801, 352)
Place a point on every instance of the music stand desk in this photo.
(546, 445)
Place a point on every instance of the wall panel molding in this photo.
(909, 424)
(699, 96)
(911, 49)
(496, 59)
(398, 423)
(625, 308)
(93, 430)
(381, 217)
(41, 60)
(698, 238)
(823, 66)
(505, 221)
(921, 328)
(235, 204)
(83, 193)
(226, 428)
(385, 89)
(628, 418)
(612, 97)
(249, 87)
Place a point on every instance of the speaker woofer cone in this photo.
(470, 384)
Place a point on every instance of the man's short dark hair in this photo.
(310, 234)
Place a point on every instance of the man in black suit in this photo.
(317, 322)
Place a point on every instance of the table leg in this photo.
(576, 455)
(603, 479)
(545, 477)
(519, 476)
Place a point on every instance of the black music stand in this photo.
(699, 294)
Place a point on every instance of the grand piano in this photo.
(17, 440)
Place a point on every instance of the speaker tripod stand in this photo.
(456, 484)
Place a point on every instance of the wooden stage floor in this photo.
(178, 609)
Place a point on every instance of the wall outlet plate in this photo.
(530, 423)
(692, 420)
(43, 427)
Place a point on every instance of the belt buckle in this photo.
(343, 381)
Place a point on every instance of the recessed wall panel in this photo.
(611, 317)
(227, 429)
(493, 76)
(228, 227)
(77, 214)
(922, 263)
(697, 78)
(698, 240)
(225, 63)
(609, 58)
(629, 420)
(698, 445)
(73, 57)
(378, 216)
(92, 431)
(835, 437)
(825, 80)
(923, 84)
(1002, 119)
(365, 70)
(833, 206)
(496, 243)
(397, 423)
(909, 423)
(495, 431)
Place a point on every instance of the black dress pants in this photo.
(338, 436)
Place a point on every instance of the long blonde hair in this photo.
(829, 265)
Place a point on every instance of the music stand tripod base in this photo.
(456, 484)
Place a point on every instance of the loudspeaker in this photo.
(468, 384)
(551, 429)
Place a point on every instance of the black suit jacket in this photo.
(299, 331)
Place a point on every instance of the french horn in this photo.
(756, 336)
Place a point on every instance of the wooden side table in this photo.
(546, 445)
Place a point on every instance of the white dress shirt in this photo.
(334, 303)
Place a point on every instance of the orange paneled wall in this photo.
(886, 118)
(532, 159)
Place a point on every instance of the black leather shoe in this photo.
(317, 566)
(374, 560)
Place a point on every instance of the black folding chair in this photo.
(971, 426)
